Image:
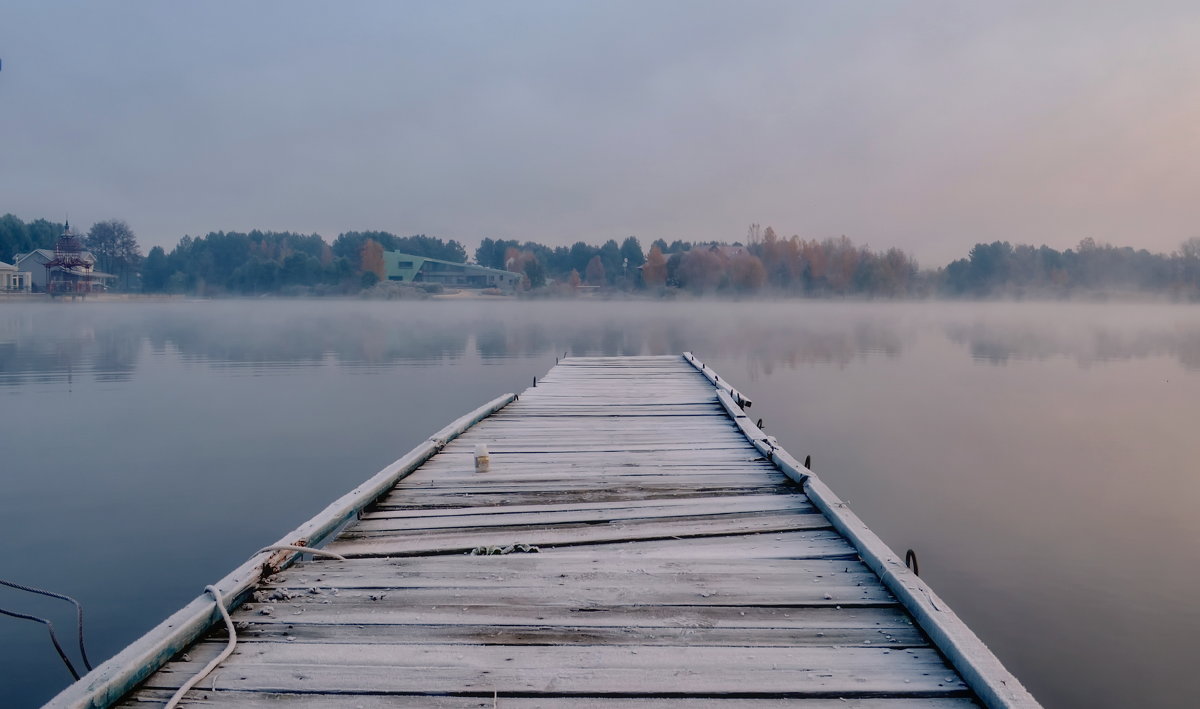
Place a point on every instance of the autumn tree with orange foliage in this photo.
(527, 264)
(370, 258)
(595, 272)
(746, 273)
(654, 271)
(701, 270)
(833, 266)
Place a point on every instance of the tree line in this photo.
(268, 262)
(1000, 269)
(262, 262)
(764, 262)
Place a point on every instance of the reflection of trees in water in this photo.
(587, 336)
(54, 344)
(1000, 342)
(496, 339)
(1189, 349)
(763, 341)
(767, 341)
(840, 344)
(513, 337)
(310, 339)
(614, 337)
(104, 341)
(116, 353)
(997, 344)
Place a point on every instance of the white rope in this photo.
(217, 660)
(306, 550)
(187, 686)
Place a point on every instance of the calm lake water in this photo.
(1041, 459)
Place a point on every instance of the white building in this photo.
(14, 279)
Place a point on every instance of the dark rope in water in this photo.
(61, 597)
(53, 637)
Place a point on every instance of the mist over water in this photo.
(1039, 458)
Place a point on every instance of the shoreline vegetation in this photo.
(760, 265)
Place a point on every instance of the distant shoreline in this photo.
(1097, 298)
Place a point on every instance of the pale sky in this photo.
(926, 126)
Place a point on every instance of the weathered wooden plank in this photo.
(612, 464)
(595, 491)
(705, 486)
(503, 471)
(674, 453)
(551, 567)
(621, 670)
(397, 521)
(542, 577)
(716, 440)
(463, 466)
(275, 700)
(522, 426)
(616, 386)
(701, 451)
(503, 468)
(695, 416)
(362, 612)
(354, 542)
(440, 475)
(602, 393)
(583, 479)
(582, 415)
(792, 545)
(757, 501)
(441, 498)
(599, 434)
(326, 633)
(851, 590)
(706, 447)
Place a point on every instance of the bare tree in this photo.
(116, 250)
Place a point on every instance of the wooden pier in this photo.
(635, 543)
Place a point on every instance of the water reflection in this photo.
(104, 341)
(1087, 344)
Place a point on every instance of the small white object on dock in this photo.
(482, 458)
